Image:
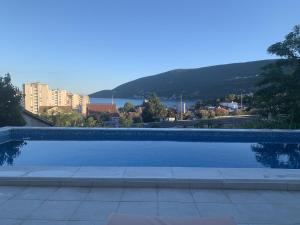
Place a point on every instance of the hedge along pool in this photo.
(149, 147)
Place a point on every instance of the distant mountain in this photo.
(200, 83)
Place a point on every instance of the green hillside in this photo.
(203, 83)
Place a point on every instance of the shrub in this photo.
(203, 114)
(221, 112)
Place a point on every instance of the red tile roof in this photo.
(109, 108)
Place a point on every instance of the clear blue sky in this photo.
(86, 46)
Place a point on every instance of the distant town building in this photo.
(210, 107)
(230, 105)
(96, 108)
(38, 95)
(58, 98)
(170, 119)
(181, 107)
(80, 102)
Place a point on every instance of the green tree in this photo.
(128, 107)
(153, 109)
(212, 114)
(203, 114)
(279, 89)
(125, 121)
(231, 97)
(104, 116)
(137, 119)
(198, 105)
(10, 103)
(221, 112)
(171, 112)
(91, 122)
(73, 119)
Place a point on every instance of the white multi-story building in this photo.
(37, 95)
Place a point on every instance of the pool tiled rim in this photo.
(220, 178)
(192, 177)
(156, 134)
(5, 134)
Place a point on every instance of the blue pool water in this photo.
(149, 153)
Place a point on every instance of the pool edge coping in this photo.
(169, 177)
(149, 134)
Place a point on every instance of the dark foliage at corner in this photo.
(10, 103)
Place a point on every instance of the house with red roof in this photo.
(97, 110)
(101, 108)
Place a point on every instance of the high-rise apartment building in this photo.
(37, 95)
(59, 97)
(79, 103)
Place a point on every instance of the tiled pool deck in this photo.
(88, 195)
(91, 206)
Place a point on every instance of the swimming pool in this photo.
(149, 153)
(149, 147)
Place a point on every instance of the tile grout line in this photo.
(157, 201)
(81, 201)
(29, 215)
(227, 196)
(120, 200)
(195, 203)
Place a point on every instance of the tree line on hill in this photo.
(204, 83)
